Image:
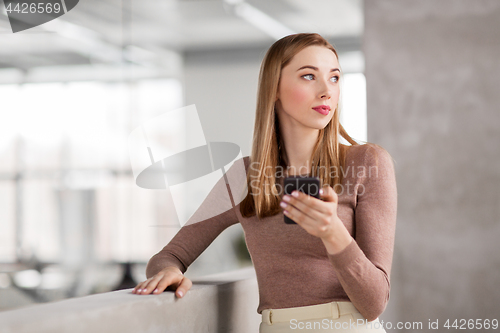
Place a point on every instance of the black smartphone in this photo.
(307, 185)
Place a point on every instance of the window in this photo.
(65, 170)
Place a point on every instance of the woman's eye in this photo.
(308, 76)
(335, 79)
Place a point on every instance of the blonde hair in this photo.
(267, 141)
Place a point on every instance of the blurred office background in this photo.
(73, 222)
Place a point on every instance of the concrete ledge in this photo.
(224, 302)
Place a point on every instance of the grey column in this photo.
(433, 78)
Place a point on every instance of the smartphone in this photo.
(307, 185)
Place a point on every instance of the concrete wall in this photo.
(223, 85)
(433, 73)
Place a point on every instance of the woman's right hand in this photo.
(167, 277)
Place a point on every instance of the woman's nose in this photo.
(324, 90)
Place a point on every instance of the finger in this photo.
(182, 289)
(328, 194)
(290, 204)
(296, 208)
(137, 287)
(307, 209)
(305, 221)
(296, 215)
(169, 280)
(307, 204)
(140, 286)
(151, 284)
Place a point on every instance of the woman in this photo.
(330, 270)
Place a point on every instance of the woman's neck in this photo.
(299, 144)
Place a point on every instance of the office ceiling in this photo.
(155, 32)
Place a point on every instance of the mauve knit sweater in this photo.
(293, 267)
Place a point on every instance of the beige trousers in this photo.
(328, 317)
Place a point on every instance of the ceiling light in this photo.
(259, 19)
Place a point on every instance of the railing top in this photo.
(122, 311)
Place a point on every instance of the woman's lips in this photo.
(323, 109)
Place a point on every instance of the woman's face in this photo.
(309, 80)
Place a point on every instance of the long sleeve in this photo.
(193, 238)
(364, 266)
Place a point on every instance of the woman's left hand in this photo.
(318, 217)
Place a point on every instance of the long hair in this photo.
(328, 154)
